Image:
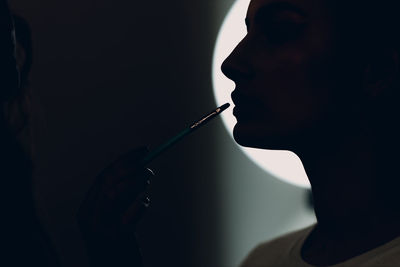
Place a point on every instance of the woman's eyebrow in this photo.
(273, 8)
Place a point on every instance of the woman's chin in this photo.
(251, 135)
(248, 135)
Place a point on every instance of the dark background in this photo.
(114, 75)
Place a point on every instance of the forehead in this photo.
(310, 7)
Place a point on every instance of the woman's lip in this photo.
(247, 107)
(235, 111)
(245, 101)
(244, 114)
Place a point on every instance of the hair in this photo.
(9, 78)
(19, 221)
(24, 39)
(369, 31)
(369, 34)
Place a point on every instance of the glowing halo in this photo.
(282, 164)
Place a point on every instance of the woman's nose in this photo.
(236, 65)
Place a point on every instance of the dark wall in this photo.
(113, 75)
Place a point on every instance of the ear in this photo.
(381, 73)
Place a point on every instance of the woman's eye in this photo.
(282, 32)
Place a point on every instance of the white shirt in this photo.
(285, 251)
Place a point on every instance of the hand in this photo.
(111, 210)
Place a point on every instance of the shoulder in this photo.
(272, 252)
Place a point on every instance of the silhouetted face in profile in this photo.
(290, 73)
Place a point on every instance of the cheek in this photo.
(295, 86)
(296, 90)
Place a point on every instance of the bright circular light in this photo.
(282, 164)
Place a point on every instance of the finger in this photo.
(132, 159)
(127, 165)
(131, 187)
(136, 211)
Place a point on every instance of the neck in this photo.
(344, 180)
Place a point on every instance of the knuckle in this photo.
(146, 201)
(150, 172)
